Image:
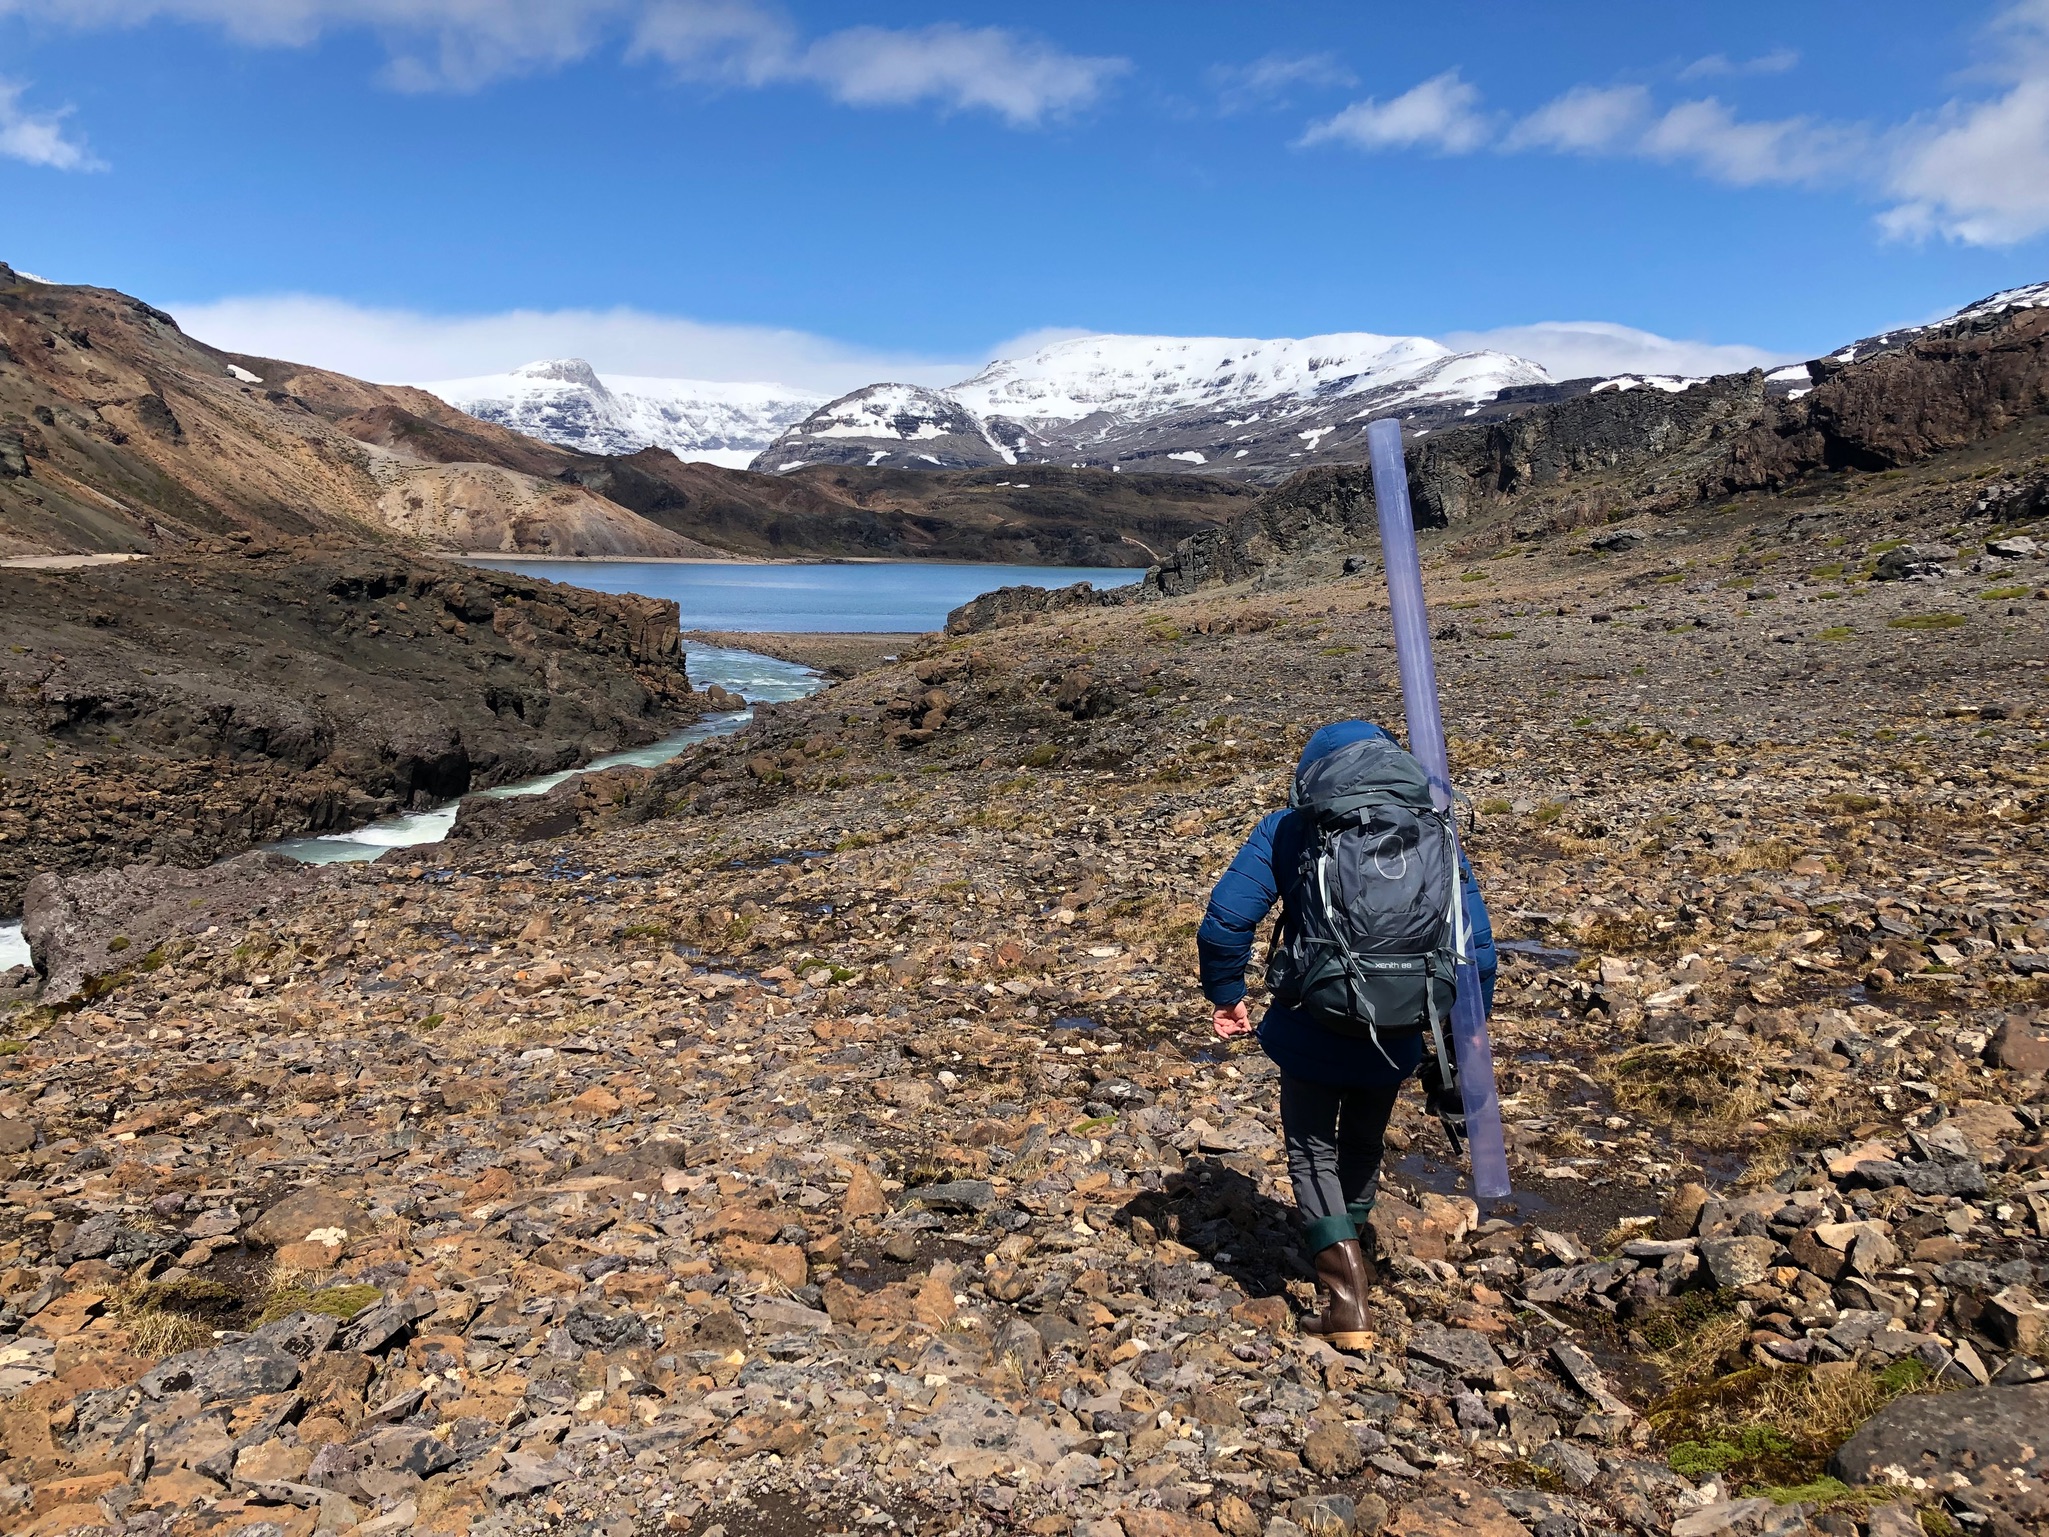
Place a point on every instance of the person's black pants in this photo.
(1335, 1141)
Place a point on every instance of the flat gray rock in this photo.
(1986, 1449)
(1464, 1351)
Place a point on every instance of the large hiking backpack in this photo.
(1374, 919)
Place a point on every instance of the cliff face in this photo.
(1635, 443)
(182, 708)
(1949, 387)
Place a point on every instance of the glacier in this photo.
(566, 401)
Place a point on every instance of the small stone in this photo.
(960, 1195)
(1464, 1351)
(864, 1197)
(1574, 1464)
(2017, 1319)
(1738, 1261)
(1682, 1211)
(2019, 1047)
(1323, 1515)
(1333, 1451)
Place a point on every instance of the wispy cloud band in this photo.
(1976, 171)
(464, 45)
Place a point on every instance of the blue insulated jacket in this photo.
(1299, 1046)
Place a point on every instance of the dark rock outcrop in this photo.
(1985, 1449)
(89, 925)
(555, 813)
(183, 708)
(1019, 605)
(1948, 387)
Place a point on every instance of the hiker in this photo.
(1345, 1036)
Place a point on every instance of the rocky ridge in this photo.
(824, 1133)
(119, 432)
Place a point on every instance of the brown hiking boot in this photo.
(1344, 1273)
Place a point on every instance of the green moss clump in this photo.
(1750, 1443)
(1926, 622)
(343, 1302)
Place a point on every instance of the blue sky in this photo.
(827, 194)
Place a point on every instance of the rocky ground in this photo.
(825, 1136)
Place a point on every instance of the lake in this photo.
(829, 596)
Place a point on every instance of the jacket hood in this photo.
(1339, 733)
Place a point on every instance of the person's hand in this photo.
(1231, 1021)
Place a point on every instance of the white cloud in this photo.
(1777, 62)
(1580, 349)
(399, 346)
(1978, 172)
(1587, 119)
(1019, 78)
(1271, 80)
(463, 45)
(432, 44)
(39, 137)
(1439, 114)
(1725, 148)
(1706, 134)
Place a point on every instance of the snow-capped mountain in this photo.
(1230, 405)
(566, 401)
(903, 426)
(1142, 376)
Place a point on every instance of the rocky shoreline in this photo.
(819, 1132)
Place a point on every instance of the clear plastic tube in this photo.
(1426, 743)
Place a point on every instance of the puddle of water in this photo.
(13, 948)
(760, 678)
(1441, 1178)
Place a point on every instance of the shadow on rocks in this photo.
(1218, 1210)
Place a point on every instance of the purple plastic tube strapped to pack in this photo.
(1426, 743)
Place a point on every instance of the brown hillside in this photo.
(120, 432)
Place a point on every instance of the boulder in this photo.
(314, 1214)
(1983, 1448)
(1738, 1261)
(1465, 1352)
(2019, 1046)
(83, 926)
(239, 1370)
